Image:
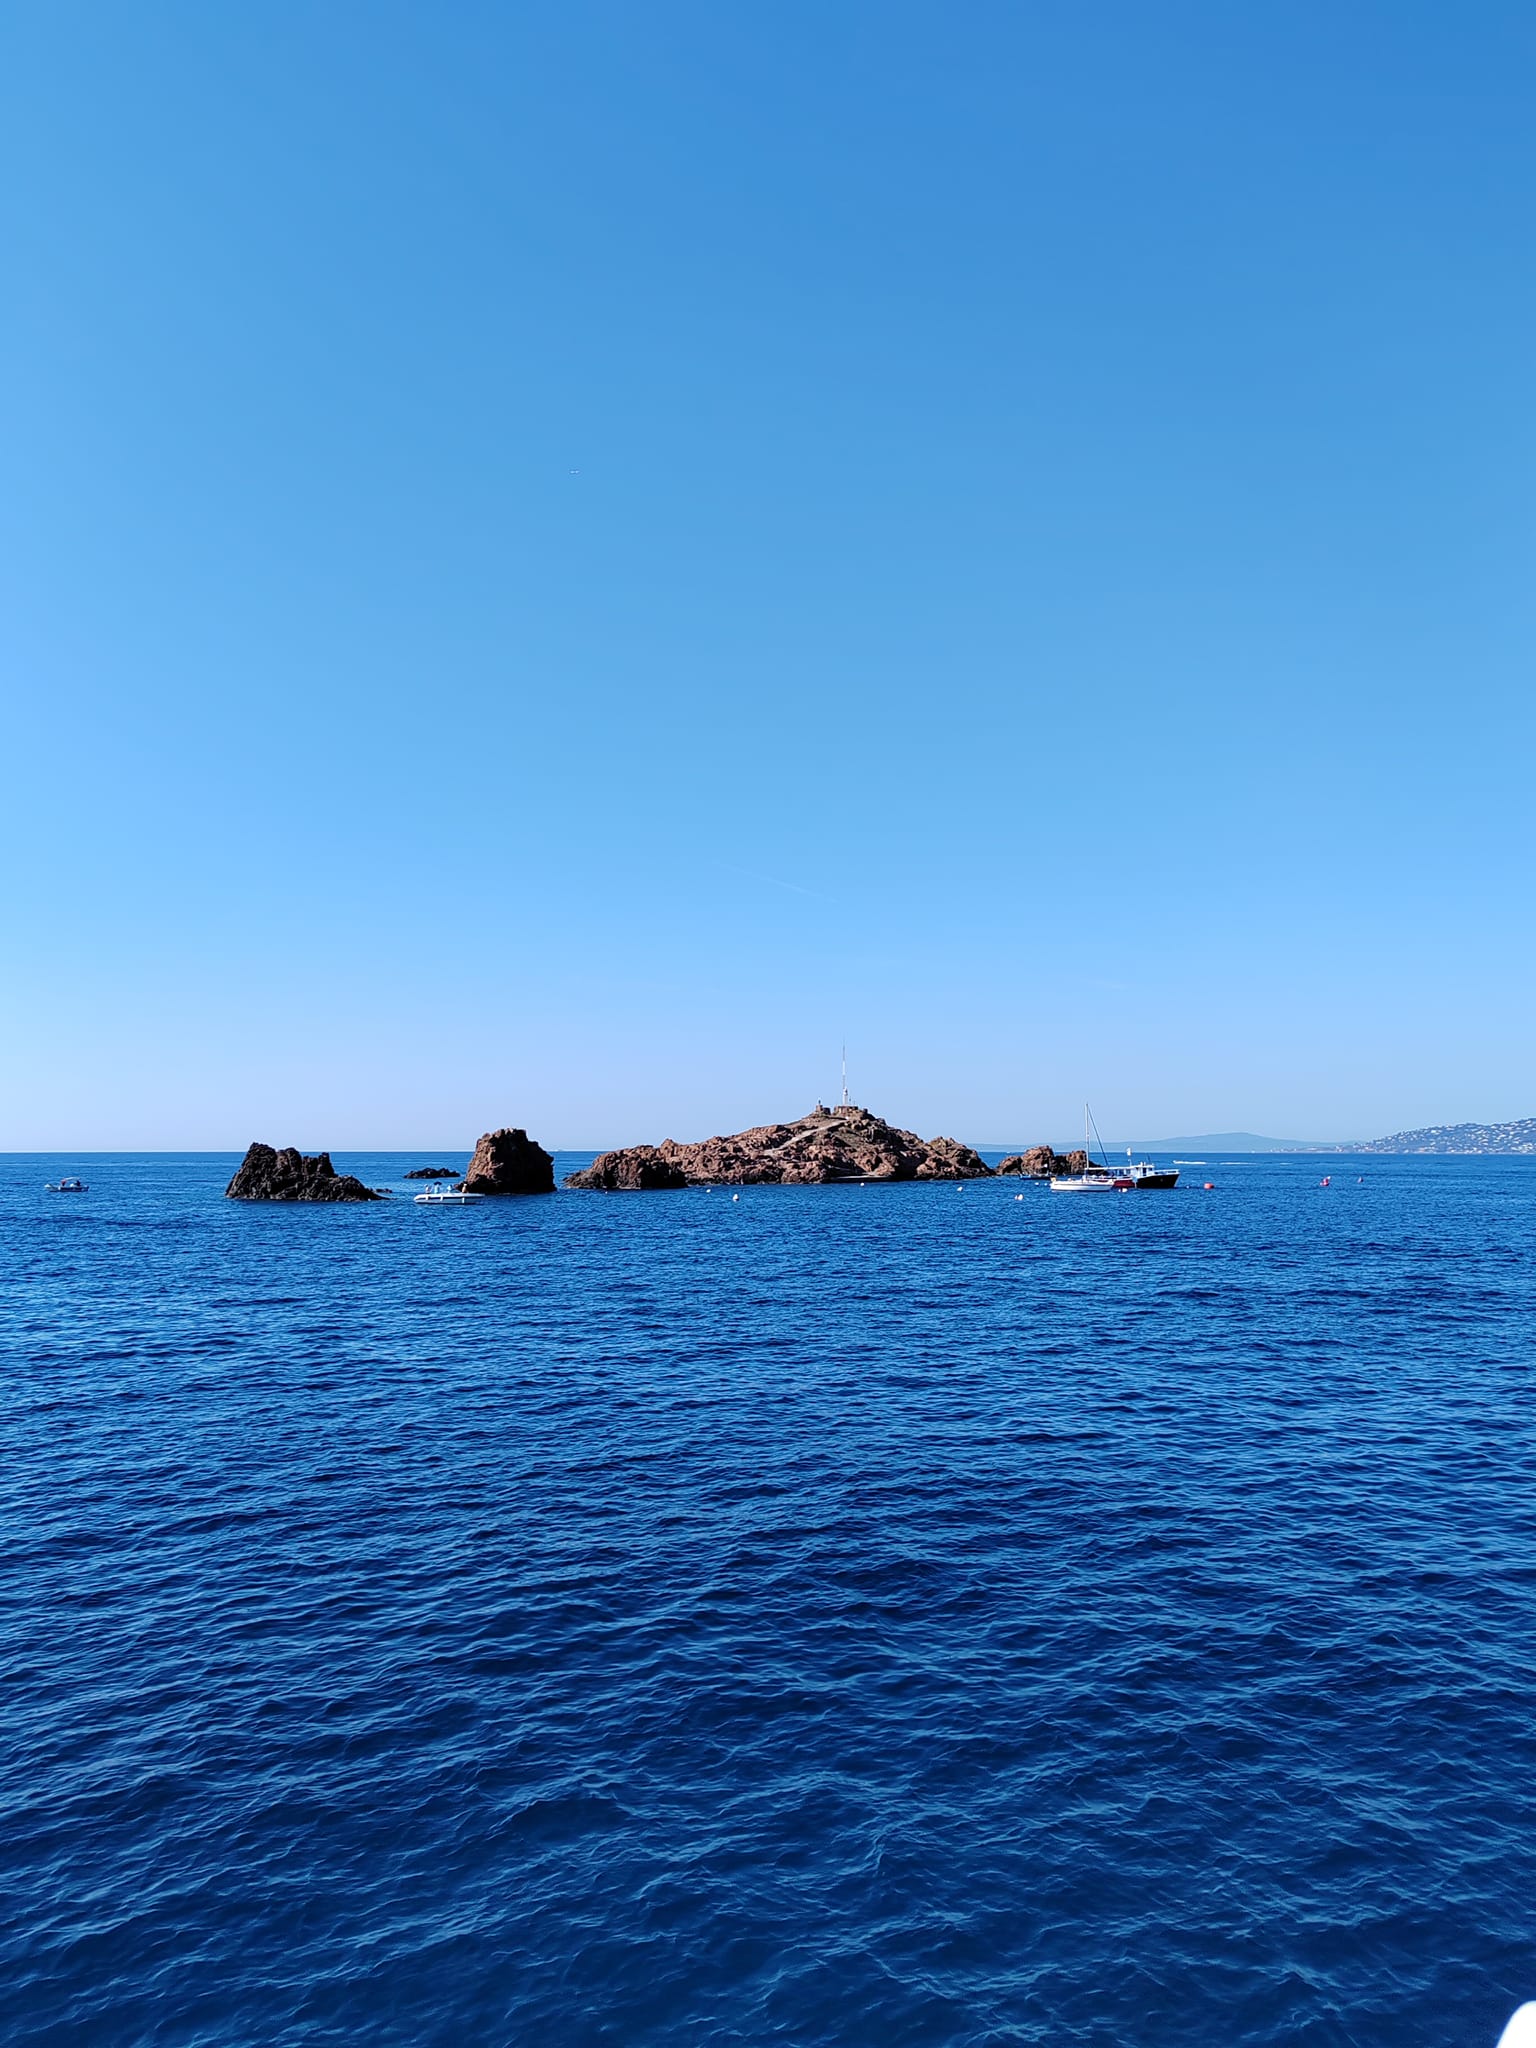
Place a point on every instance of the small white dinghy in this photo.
(442, 1198)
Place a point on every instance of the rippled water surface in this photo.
(900, 1615)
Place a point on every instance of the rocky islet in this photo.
(266, 1174)
(1041, 1163)
(843, 1144)
(508, 1162)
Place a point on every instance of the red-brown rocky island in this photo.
(844, 1144)
(509, 1162)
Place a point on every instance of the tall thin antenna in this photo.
(846, 1103)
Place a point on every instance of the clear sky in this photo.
(560, 561)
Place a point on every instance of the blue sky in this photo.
(557, 563)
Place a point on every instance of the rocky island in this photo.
(267, 1175)
(508, 1162)
(1041, 1163)
(432, 1173)
(844, 1144)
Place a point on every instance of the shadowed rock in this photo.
(510, 1163)
(266, 1175)
(1040, 1162)
(432, 1173)
(637, 1166)
(828, 1145)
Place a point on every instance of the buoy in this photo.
(735, 1198)
(1209, 1186)
(1018, 1198)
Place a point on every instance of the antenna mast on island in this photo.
(846, 1104)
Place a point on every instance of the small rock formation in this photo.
(1040, 1162)
(828, 1145)
(509, 1163)
(266, 1175)
(432, 1173)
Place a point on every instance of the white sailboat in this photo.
(1094, 1179)
(1106, 1180)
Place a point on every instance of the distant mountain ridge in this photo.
(1209, 1141)
(1225, 1141)
(1519, 1136)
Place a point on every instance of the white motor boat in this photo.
(443, 1198)
(67, 1186)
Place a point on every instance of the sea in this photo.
(896, 1615)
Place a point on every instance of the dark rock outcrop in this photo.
(432, 1173)
(637, 1166)
(266, 1175)
(510, 1163)
(1040, 1162)
(828, 1145)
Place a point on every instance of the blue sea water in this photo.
(900, 1615)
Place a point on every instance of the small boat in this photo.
(1144, 1174)
(67, 1186)
(440, 1198)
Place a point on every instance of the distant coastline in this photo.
(1459, 1140)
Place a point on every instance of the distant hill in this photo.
(1227, 1141)
(1460, 1138)
(1212, 1141)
